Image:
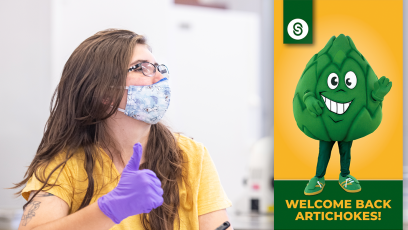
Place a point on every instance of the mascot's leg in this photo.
(347, 181)
(317, 183)
(325, 148)
(345, 157)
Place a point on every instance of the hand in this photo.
(314, 106)
(138, 191)
(381, 88)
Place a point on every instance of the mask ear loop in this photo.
(119, 109)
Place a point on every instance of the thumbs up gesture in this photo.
(138, 191)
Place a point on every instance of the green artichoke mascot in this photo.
(338, 98)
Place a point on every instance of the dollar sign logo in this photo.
(297, 29)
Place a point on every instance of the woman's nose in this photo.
(157, 77)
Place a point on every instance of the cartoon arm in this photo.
(313, 105)
(381, 88)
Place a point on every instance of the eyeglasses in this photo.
(149, 70)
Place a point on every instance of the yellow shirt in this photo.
(204, 195)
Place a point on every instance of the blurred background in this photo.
(220, 58)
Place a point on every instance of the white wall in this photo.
(405, 117)
(214, 67)
(24, 88)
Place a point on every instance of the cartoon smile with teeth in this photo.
(338, 98)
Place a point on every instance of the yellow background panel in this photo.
(376, 29)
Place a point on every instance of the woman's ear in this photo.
(107, 100)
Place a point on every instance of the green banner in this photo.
(297, 22)
(377, 206)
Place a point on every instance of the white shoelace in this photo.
(348, 180)
(319, 184)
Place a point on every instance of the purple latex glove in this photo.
(138, 191)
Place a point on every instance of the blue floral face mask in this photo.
(148, 103)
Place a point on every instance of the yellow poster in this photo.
(376, 29)
(338, 91)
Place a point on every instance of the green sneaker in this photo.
(315, 186)
(349, 183)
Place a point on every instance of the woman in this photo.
(107, 106)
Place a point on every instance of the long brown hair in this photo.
(79, 109)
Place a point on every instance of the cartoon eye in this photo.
(333, 81)
(351, 80)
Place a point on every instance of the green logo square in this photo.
(297, 22)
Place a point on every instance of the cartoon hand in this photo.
(314, 106)
(381, 88)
